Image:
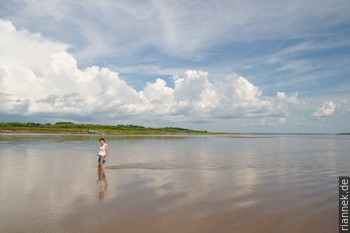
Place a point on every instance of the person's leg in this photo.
(100, 170)
(102, 164)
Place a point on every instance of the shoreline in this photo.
(96, 129)
(223, 134)
(226, 135)
(216, 134)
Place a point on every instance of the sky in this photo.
(261, 66)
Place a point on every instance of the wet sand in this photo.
(192, 184)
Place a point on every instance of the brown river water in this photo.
(216, 184)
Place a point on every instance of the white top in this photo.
(102, 151)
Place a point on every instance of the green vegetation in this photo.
(69, 127)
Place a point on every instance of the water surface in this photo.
(49, 183)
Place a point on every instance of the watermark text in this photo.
(344, 204)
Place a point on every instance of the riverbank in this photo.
(94, 129)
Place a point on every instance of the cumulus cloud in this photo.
(327, 109)
(38, 76)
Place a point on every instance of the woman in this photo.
(102, 156)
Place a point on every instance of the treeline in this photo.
(69, 127)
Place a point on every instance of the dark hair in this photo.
(102, 139)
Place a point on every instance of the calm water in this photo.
(171, 184)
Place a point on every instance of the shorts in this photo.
(101, 159)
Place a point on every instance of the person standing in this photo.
(102, 156)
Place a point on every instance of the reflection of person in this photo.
(102, 185)
(102, 155)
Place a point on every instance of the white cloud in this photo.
(272, 122)
(303, 122)
(45, 79)
(282, 121)
(18, 48)
(327, 109)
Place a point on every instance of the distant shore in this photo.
(68, 128)
(94, 129)
(227, 135)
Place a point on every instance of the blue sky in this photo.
(240, 66)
